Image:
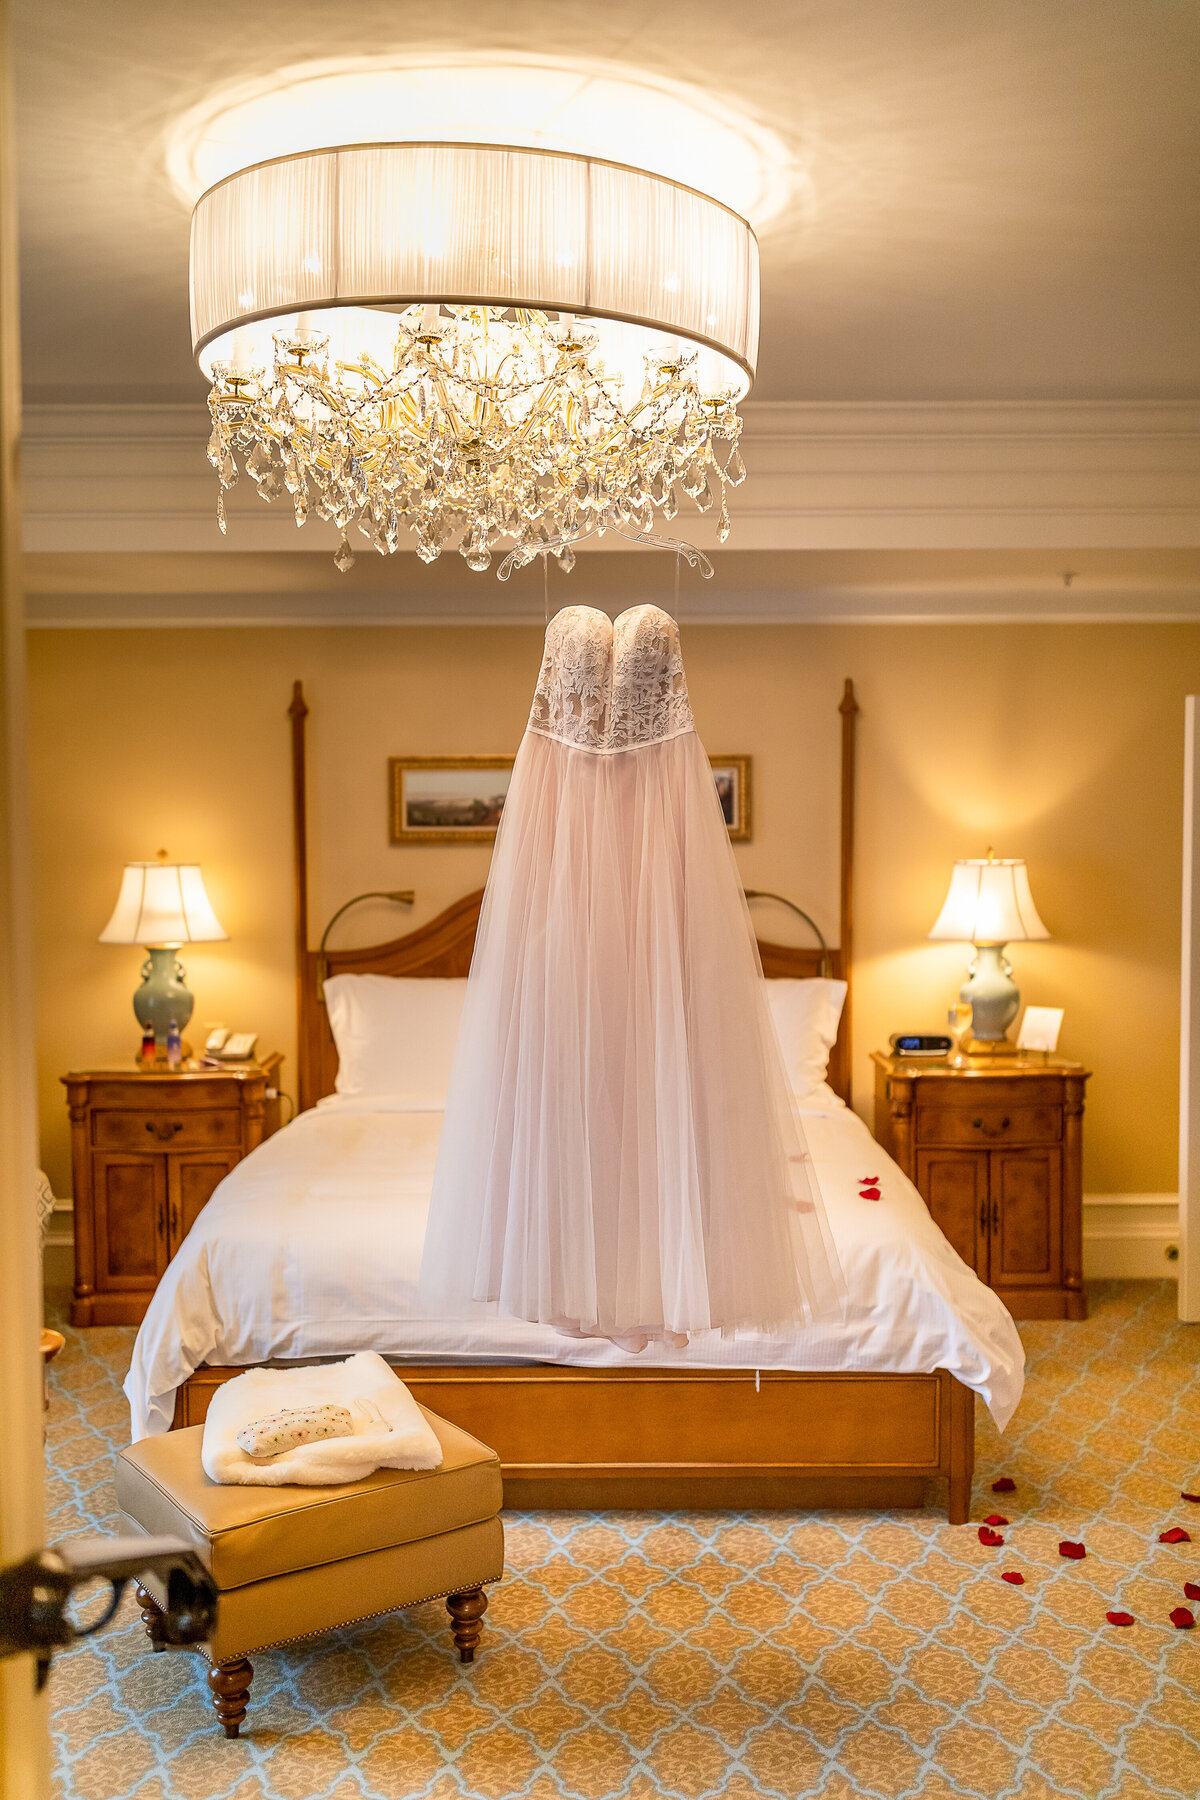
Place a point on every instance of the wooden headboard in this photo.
(444, 946)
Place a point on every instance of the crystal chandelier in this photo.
(499, 350)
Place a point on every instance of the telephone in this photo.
(230, 1046)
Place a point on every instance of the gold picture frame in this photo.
(445, 799)
(422, 811)
(732, 776)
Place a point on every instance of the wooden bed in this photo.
(641, 1436)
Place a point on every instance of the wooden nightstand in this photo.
(995, 1151)
(147, 1150)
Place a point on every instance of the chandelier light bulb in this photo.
(492, 349)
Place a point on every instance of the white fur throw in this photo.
(390, 1430)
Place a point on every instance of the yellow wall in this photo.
(1062, 744)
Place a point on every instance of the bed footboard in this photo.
(603, 1438)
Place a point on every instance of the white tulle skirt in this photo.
(620, 1155)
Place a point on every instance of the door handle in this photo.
(978, 1125)
(983, 1214)
(162, 1220)
(174, 1221)
(164, 1130)
(995, 1216)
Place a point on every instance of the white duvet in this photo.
(312, 1247)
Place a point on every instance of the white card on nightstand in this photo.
(1040, 1028)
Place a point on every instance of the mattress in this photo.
(312, 1247)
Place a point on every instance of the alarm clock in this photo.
(920, 1043)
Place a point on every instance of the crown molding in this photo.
(943, 476)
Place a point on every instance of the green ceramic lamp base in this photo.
(164, 994)
(991, 993)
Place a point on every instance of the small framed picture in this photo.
(732, 776)
(446, 799)
(1040, 1028)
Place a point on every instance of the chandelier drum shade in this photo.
(484, 345)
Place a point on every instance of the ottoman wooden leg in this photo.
(230, 1684)
(152, 1619)
(466, 1614)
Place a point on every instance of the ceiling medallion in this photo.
(500, 350)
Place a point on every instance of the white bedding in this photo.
(312, 1247)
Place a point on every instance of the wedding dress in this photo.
(620, 1155)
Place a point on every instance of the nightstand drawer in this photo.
(980, 1126)
(166, 1128)
(971, 1093)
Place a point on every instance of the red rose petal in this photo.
(1192, 1590)
(1005, 1485)
(989, 1537)
(995, 1519)
(1182, 1619)
(868, 1181)
(1011, 1575)
(1176, 1535)
(1119, 1618)
(1074, 1552)
(1194, 1498)
(869, 1194)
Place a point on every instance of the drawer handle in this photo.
(165, 1130)
(980, 1126)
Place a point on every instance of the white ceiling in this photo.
(994, 201)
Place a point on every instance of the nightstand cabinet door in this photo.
(130, 1203)
(954, 1186)
(1026, 1218)
(194, 1176)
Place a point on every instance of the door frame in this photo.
(1189, 1024)
(24, 1737)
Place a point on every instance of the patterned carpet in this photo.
(703, 1654)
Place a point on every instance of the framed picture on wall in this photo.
(732, 776)
(446, 799)
(458, 799)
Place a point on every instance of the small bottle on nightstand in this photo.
(174, 1046)
(149, 1046)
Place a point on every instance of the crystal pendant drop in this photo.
(476, 554)
(222, 525)
(344, 555)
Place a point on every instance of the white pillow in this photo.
(395, 1036)
(806, 1015)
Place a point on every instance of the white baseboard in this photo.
(1130, 1236)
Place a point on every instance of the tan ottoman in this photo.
(293, 1561)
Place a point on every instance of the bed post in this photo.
(849, 711)
(297, 713)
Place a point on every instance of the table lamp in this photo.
(163, 905)
(989, 905)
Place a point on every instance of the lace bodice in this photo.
(607, 686)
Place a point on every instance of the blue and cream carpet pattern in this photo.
(687, 1655)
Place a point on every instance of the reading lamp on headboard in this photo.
(402, 897)
(826, 958)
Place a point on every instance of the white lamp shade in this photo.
(163, 903)
(989, 902)
(333, 234)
